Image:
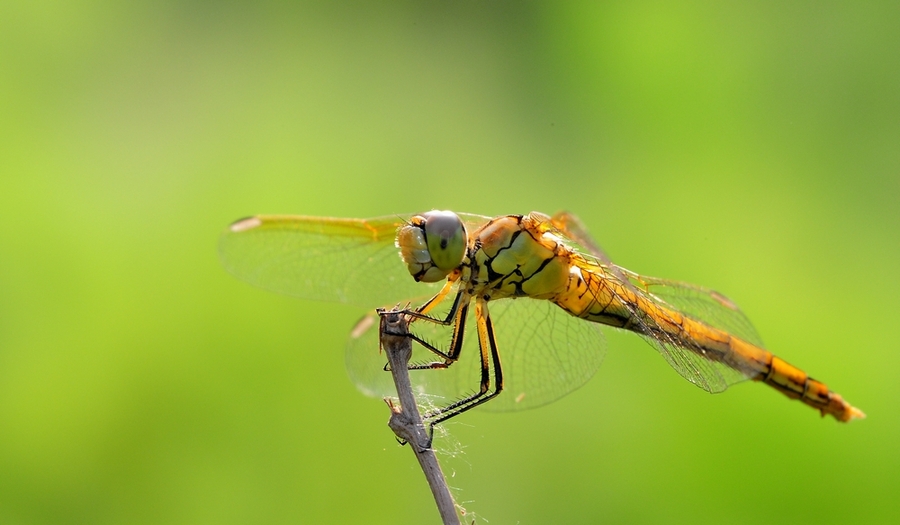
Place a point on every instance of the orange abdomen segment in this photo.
(761, 365)
(796, 384)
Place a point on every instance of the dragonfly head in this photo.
(432, 245)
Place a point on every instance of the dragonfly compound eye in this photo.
(446, 239)
(432, 245)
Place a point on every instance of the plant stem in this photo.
(406, 422)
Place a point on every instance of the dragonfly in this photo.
(510, 304)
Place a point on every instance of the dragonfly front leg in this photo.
(422, 311)
(455, 318)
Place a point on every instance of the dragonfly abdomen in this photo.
(750, 360)
(592, 297)
(755, 363)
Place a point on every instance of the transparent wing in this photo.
(712, 376)
(343, 260)
(666, 304)
(545, 354)
(699, 303)
(675, 299)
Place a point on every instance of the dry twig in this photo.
(406, 422)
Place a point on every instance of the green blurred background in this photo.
(753, 148)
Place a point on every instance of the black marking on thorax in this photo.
(499, 280)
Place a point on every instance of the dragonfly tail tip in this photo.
(856, 413)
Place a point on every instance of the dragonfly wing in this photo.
(364, 360)
(699, 303)
(545, 352)
(686, 355)
(574, 231)
(692, 301)
(343, 260)
(712, 376)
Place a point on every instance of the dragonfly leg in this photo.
(456, 341)
(457, 318)
(422, 311)
(490, 357)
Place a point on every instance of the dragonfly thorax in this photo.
(513, 257)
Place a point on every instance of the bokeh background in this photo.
(750, 147)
